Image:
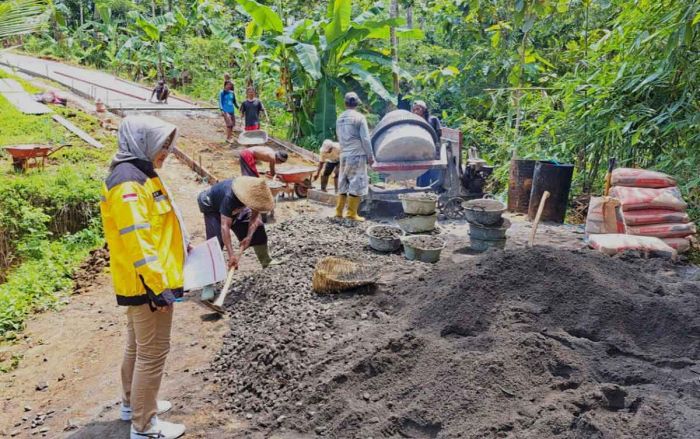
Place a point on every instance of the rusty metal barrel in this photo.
(520, 185)
(556, 179)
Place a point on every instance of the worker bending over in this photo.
(250, 156)
(161, 92)
(147, 247)
(329, 162)
(237, 204)
(355, 155)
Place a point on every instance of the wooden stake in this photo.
(543, 200)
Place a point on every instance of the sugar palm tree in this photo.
(18, 17)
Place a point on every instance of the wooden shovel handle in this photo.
(545, 196)
(224, 291)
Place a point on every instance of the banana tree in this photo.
(150, 36)
(18, 17)
(320, 60)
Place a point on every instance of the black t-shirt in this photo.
(435, 123)
(222, 199)
(251, 110)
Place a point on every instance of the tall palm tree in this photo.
(19, 17)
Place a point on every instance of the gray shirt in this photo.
(353, 134)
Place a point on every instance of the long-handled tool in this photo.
(218, 304)
(540, 208)
(608, 176)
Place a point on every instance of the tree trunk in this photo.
(409, 17)
(81, 14)
(394, 13)
(170, 5)
(153, 8)
(161, 73)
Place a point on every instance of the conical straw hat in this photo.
(254, 193)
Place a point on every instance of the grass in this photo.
(38, 283)
(33, 206)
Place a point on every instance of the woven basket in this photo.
(338, 274)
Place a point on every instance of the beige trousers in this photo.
(147, 346)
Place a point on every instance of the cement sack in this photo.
(680, 230)
(654, 216)
(633, 198)
(612, 244)
(681, 245)
(604, 216)
(641, 178)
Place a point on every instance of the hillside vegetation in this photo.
(572, 80)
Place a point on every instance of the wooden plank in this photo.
(200, 170)
(10, 86)
(25, 103)
(77, 131)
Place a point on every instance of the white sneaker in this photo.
(159, 430)
(163, 406)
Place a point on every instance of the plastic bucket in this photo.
(556, 179)
(415, 252)
(520, 185)
(418, 203)
(478, 231)
(383, 244)
(481, 245)
(483, 211)
(417, 223)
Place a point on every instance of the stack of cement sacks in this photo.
(651, 205)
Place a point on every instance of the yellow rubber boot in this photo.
(340, 205)
(353, 207)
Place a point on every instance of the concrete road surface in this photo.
(114, 92)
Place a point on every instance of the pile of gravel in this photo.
(278, 324)
(528, 343)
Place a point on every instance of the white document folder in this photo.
(204, 265)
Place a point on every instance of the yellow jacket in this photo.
(146, 241)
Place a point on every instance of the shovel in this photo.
(218, 304)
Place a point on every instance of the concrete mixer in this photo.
(406, 146)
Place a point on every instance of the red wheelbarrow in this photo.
(30, 156)
(296, 180)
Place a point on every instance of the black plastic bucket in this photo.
(520, 185)
(556, 179)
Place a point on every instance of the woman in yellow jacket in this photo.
(147, 244)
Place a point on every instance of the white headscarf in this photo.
(142, 138)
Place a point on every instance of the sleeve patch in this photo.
(130, 197)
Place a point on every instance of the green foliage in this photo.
(20, 17)
(574, 80)
(320, 60)
(17, 128)
(39, 282)
(48, 219)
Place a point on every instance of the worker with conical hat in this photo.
(237, 205)
(356, 153)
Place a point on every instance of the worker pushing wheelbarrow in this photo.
(295, 180)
